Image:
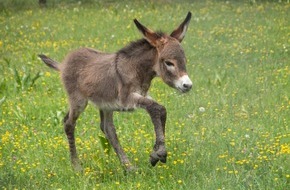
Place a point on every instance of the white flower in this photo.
(201, 109)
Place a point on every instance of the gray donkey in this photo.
(120, 82)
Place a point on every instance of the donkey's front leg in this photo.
(108, 128)
(158, 116)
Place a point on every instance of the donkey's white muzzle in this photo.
(183, 84)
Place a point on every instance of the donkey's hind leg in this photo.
(77, 106)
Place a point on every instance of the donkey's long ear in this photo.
(148, 34)
(179, 33)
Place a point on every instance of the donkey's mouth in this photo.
(184, 90)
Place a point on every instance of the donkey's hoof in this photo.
(154, 159)
(158, 156)
(131, 170)
(163, 159)
(77, 167)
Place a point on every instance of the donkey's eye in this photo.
(169, 64)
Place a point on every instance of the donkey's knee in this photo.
(163, 114)
(162, 111)
(69, 124)
(69, 128)
(156, 110)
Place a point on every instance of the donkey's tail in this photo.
(49, 62)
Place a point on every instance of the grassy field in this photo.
(230, 132)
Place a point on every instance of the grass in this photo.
(230, 132)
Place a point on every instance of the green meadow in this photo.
(231, 131)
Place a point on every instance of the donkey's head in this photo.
(171, 58)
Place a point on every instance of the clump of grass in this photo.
(25, 80)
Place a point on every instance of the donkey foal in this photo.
(120, 82)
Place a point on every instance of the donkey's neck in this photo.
(139, 58)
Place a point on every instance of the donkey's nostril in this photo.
(187, 86)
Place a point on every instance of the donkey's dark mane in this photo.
(138, 46)
(134, 47)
